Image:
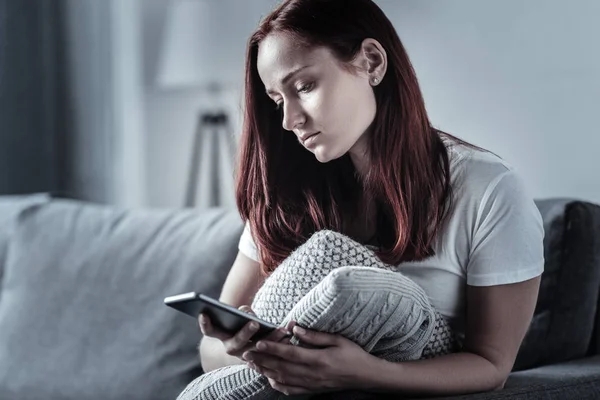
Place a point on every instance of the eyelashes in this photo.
(306, 88)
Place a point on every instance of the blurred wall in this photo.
(521, 78)
(171, 115)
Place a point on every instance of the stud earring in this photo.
(375, 81)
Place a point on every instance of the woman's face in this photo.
(317, 96)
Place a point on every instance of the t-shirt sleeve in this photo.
(247, 245)
(507, 244)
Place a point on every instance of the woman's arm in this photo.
(213, 355)
(497, 319)
(242, 283)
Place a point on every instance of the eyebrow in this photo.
(289, 76)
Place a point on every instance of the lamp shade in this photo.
(187, 56)
(204, 41)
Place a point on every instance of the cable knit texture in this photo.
(333, 284)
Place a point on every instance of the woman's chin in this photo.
(323, 156)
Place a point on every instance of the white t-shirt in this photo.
(493, 235)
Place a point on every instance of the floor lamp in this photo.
(193, 59)
(212, 134)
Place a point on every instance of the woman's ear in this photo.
(375, 58)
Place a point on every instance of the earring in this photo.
(375, 81)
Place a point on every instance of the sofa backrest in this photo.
(563, 325)
(11, 206)
(101, 274)
(81, 306)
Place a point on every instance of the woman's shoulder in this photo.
(479, 177)
(465, 157)
(473, 168)
(488, 190)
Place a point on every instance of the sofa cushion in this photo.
(82, 310)
(562, 326)
(11, 206)
(576, 380)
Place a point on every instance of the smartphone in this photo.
(223, 316)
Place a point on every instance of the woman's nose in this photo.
(293, 116)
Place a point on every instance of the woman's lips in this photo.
(310, 139)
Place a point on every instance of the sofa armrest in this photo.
(583, 368)
(578, 379)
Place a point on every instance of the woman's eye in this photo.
(305, 88)
(302, 89)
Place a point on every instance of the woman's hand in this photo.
(336, 365)
(236, 345)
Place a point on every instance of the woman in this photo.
(336, 137)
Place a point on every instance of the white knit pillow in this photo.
(336, 285)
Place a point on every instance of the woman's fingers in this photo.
(278, 335)
(237, 344)
(281, 334)
(234, 345)
(208, 329)
(246, 309)
(290, 326)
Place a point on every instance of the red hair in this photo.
(287, 195)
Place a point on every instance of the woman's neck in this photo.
(360, 156)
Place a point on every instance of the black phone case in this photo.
(223, 316)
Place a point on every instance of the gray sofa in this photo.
(82, 288)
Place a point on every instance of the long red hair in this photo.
(287, 195)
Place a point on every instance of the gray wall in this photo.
(521, 78)
(171, 115)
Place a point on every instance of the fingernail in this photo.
(261, 346)
(299, 331)
(247, 356)
(254, 326)
(202, 319)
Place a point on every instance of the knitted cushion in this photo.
(333, 284)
